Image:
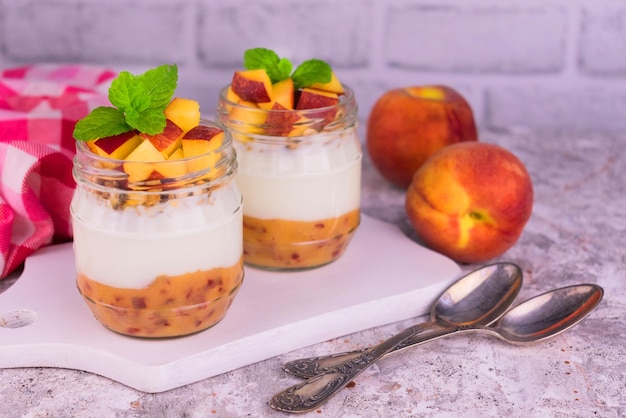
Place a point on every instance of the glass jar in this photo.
(161, 257)
(300, 177)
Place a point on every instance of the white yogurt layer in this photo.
(306, 183)
(130, 248)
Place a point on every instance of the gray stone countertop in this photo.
(577, 233)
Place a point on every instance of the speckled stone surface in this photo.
(577, 233)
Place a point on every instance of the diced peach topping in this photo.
(150, 158)
(252, 89)
(183, 112)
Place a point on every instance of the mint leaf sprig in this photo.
(306, 74)
(139, 102)
(311, 72)
(277, 68)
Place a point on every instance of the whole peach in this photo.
(407, 125)
(470, 201)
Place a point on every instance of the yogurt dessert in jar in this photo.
(299, 160)
(157, 217)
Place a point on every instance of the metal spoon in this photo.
(490, 290)
(536, 319)
(476, 299)
(546, 315)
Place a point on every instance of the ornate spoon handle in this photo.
(313, 392)
(312, 366)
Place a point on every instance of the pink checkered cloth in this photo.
(39, 106)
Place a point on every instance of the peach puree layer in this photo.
(279, 243)
(169, 306)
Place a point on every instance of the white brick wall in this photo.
(521, 63)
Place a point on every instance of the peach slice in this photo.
(314, 99)
(202, 142)
(138, 167)
(252, 85)
(147, 163)
(282, 93)
(249, 117)
(232, 96)
(116, 146)
(177, 154)
(168, 140)
(280, 120)
(333, 86)
(173, 168)
(183, 112)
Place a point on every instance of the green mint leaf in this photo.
(280, 71)
(277, 68)
(150, 121)
(144, 97)
(311, 72)
(101, 122)
(139, 103)
(120, 90)
(284, 67)
(256, 58)
(157, 85)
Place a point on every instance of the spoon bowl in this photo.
(548, 314)
(480, 297)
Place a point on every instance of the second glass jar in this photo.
(300, 177)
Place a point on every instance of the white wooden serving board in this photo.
(383, 277)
